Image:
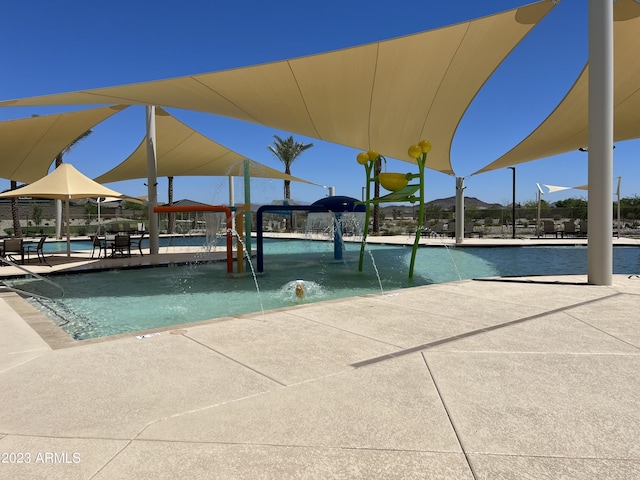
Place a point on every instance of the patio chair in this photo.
(12, 247)
(121, 246)
(100, 244)
(38, 249)
(137, 243)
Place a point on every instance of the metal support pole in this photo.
(232, 202)
(618, 202)
(513, 203)
(600, 212)
(58, 219)
(539, 193)
(460, 209)
(247, 208)
(152, 185)
(337, 236)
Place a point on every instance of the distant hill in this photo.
(450, 202)
(442, 203)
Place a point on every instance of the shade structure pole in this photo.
(247, 208)
(58, 219)
(232, 202)
(513, 203)
(618, 202)
(460, 209)
(539, 198)
(600, 211)
(68, 215)
(152, 185)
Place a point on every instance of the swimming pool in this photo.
(118, 301)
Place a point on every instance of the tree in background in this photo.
(576, 207)
(90, 210)
(630, 208)
(36, 214)
(171, 215)
(287, 151)
(17, 229)
(64, 151)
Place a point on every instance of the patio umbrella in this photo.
(64, 183)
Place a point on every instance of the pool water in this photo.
(105, 303)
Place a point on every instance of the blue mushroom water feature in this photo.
(337, 205)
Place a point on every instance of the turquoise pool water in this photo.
(118, 301)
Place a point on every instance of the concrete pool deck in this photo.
(525, 378)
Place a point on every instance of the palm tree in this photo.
(17, 229)
(171, 215)
(287, 151)
(58, 163)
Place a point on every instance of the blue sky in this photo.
(54, 47)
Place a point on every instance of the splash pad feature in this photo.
(336, 205)
(209, 208)
(401, 191)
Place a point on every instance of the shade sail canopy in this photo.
(182, 151)
(64, 183)
(28, 146)
(384, 96)
(566, 128)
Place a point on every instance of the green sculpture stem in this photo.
(421, 161)
(368, 169)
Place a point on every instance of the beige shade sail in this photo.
(384, 96)
(28, 146)
(182, 151)
(64, 183)
(566, 128)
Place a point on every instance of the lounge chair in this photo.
(584, 228)
(451, 229)
(38, 249)
(549, 228)
(468, 230)
(433, 230)
(570, 228)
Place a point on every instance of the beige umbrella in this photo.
(64, 183)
